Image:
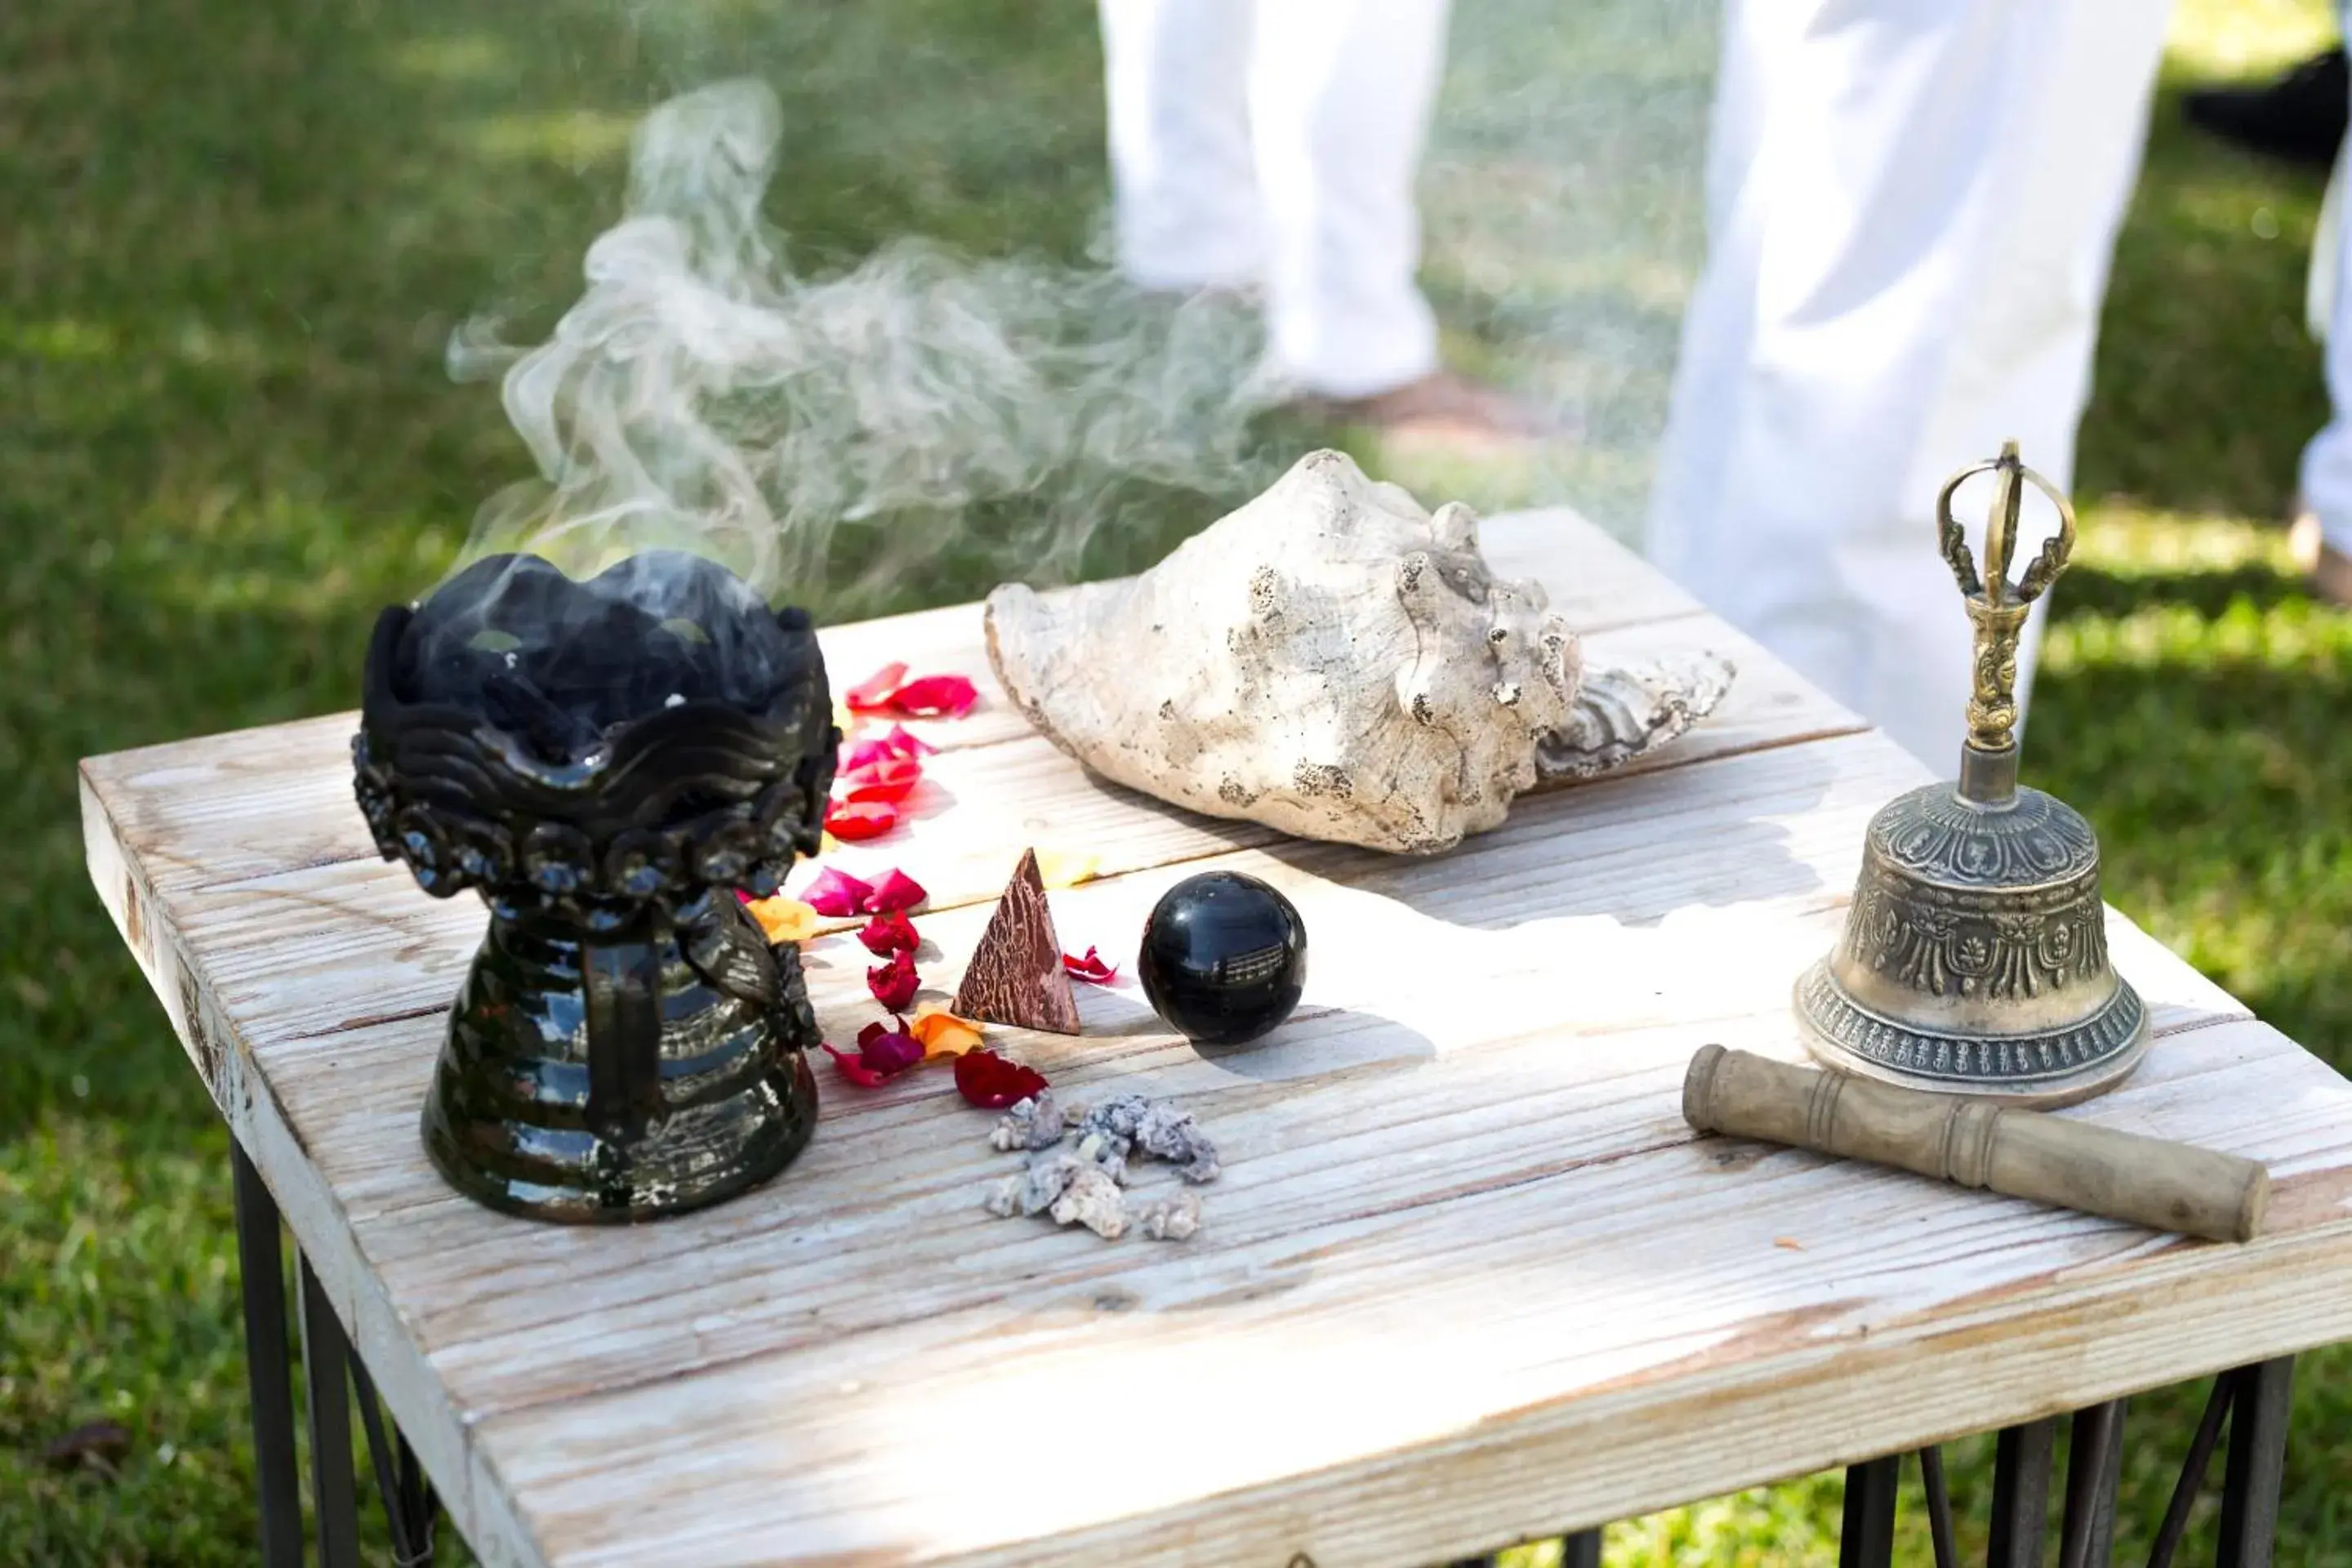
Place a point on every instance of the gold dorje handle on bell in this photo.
(1998, 609)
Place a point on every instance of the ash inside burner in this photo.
(557, 663)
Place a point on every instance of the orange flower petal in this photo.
(1066, 868)
(783, 920)
(942, 1034)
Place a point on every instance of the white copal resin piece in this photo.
(1335, 662)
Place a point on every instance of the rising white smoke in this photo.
(834, 440)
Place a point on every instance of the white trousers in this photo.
(1273, 143)
(2326, 479)
(1911, 207)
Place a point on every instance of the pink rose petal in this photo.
(836, 894)
(884, 779)
(935, 697)
(899, 744)
(896, 890)
(874, 693)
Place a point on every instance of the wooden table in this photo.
(1468, 1278)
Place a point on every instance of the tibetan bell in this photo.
(1974, 958)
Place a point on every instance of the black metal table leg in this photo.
(1867, 1536)
(268, 1370)
(1581, 1550)
(408, 1501)
(2095, 1467)
(418, 1501)
(2192, 1474)
(2257, 1462)
(1939, 1506)
(2020, 1494)
(326, 1355)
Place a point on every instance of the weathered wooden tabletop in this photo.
(1467, 1277)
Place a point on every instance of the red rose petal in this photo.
(935, 697)
(988, 1081)
(875, 692)
(887, 1050)
(886, 778)
(908, 744)
(896, 890)
(1091, 968)
(836, 894)
(887, 933)
(854, 821)
(855, 1069)
(894, 983)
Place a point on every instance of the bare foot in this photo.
(2327, 568)
(1442, 406)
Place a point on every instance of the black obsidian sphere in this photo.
(1223, 959)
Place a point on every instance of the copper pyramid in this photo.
(1015, 977)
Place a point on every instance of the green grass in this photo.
(236, 233)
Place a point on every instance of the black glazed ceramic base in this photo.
(1224, 958)
(607, 762)
(710, 1092)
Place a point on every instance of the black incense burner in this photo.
(606, 762)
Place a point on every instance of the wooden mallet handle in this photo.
(2023, 1154)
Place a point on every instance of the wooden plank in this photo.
(1367, 1114)
(260, 801)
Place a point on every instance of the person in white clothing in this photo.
(2320, 535)
(1271, 145)
(1911, 207)
(2300, 116)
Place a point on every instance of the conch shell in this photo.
(1333, 661)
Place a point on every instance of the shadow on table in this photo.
(1633, 849)
(1321, 1042)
